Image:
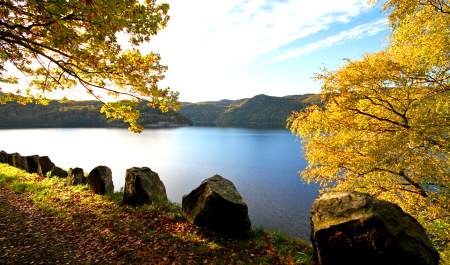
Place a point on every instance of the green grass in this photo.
(9, 174)
(284, 244)
(76, 204)
(116, 197)
(50, 194)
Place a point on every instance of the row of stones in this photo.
(215, 204)
(99, 179)
(347, 227)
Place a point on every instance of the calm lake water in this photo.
(263, 164)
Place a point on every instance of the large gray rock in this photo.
(142, 186)
(44, 165)
(100, 180)
(76, 176)
(32, 162)
(3, 157)
(20, 161)
(355, 228)
(217, 205)
(58, 172)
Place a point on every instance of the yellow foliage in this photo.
(384, 125)
(64, 44)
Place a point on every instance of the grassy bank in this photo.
(156, 233)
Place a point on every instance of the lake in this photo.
(263, 164)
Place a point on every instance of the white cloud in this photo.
(358, 32)
(210, 46)
(243, 30)
(207, 42)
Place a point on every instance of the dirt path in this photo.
(28, 236)
(96, 231)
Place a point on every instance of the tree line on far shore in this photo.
(261, 111)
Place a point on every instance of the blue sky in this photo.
(239, 48)
(231, 49)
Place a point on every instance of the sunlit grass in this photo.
(161, 220)
(52, 194)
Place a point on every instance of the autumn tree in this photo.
(384, 125)
(66, 44)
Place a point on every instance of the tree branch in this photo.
(406, 126)
(389, 107)
(69, 71)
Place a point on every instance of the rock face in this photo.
(142, 186)
(76, 176)
(355, 228)
(44, 165)
(10, 159)
(32, 162)
(100, 180)
(217, 205)
(58, 172)
(20, 161)
(3, 157)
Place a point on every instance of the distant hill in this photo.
(78, 114)
(261, 111)
(205, 113)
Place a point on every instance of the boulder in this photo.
(3, 157)
(100, 180)
(44, 165)
(142, 186)
(20, 161)
(10, 158)
(58, 172)
(217, 205)
(76, 176)
(355, 228)
(32, 162)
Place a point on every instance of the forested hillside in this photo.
(205, 113)
(261, 111)
(74, 114)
